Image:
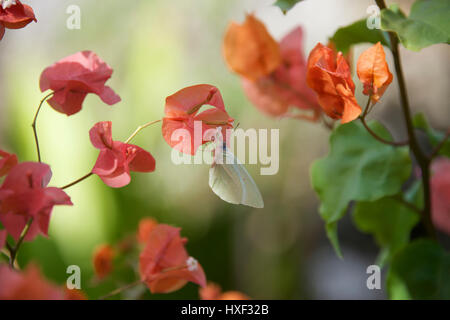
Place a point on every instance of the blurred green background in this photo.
(157, 47)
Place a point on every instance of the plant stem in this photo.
(140, 128)
(422, 160)
(13, 251)
(373, 134)
(34, 123)
(119, 290)
(77, 181)
(436, 150)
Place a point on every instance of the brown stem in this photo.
(77, 181)
(422, 160)
(140, 128)
(119, 290)
(411, 206)
(436, 150)
(35, 121)
(377, 137)
(373, 134)
(13, 251)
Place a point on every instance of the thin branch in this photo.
(422, 159)
(15, 250)
(77, 181)
(382, 140)
(407, 204)
(119, 290)
(140, 128)
(373, 134)
(438, 148)
(35, 121)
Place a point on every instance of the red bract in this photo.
(286, 86)
(440, 194)
(27, 285)
(7, 161)
(117, 159)
(181, 111)
(14, 15)
(165, 266)
(24, 195)
(331, 79)
(73, 77)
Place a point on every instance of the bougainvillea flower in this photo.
(250, 50)
(233, 295)
(146, 226)
(24, 195)
(14, 15)
(27, 285)
(348, 56)
(440, 194)
(117, 159)
(286, 86)
(73, 77)
(331, 80)
(7, 161)
(165, 266)
(103, 260)
(3, 235)
(213, 292)
(74, 294)
(373, 71)
(182, 113)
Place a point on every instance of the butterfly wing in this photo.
(232, 183)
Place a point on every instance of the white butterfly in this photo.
(229, 179)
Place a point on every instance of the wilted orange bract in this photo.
(373, 71)
(250, 50)
(103, 260)
(331, 79)
(285, 87)
(165, 265)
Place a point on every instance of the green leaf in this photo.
(428, 23)
(435, 136)
(355, 33)
(286, 5)
(389, 221)
(358, 167)
(420, 270)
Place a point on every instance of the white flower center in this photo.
(192, 264)
(7, 3)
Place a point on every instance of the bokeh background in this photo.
(157, 47)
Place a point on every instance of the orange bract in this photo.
(328, 74)
(165, 265)
(103, 258)
(373, 71)
(285, 88)
(214, 292)
(250, 50)
(146, 225)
